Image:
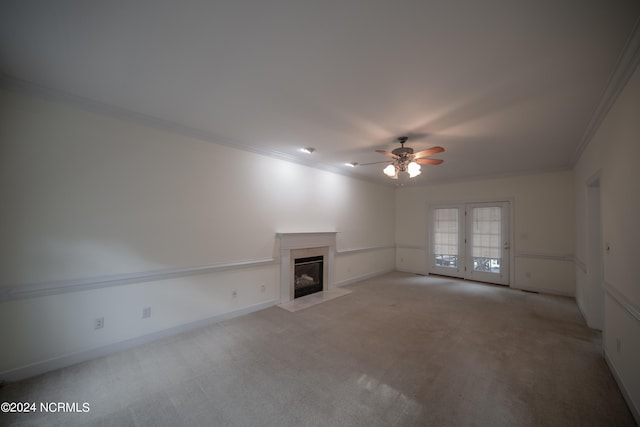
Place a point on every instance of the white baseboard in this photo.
(544, 291)
(38, 368)
(582, 312)
(362, 277)
(584, 316)
(420, 272)
(635, 411)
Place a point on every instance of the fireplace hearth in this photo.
(308, 275)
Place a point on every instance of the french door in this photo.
(470, 241)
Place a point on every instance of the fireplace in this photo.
(306, 246)
(307, 275)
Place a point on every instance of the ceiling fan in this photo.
(405, 160)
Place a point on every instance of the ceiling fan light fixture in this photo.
(391, 171)
(406, 163)
(413, 169)
(308, 150)
(352, 164)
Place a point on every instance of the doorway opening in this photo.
(594, 293)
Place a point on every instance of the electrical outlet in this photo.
(98, 323)
(234, 294)
(146, 312)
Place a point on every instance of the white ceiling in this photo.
(505, 87)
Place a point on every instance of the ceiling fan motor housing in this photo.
(403, 152)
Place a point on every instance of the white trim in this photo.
(622, 300)
(357, 250)
(594, 179)
(76, 285)
(303, 240)
(544, 291)
(423, 273)
(97, 107)
(635, 411)
(580, 264)
(412, 247)
(82, 356)
(582, 313)
(626, 65)
(131, 116)
(545, 256)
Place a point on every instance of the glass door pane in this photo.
(487, 243)
(486, 238)
(446, 240)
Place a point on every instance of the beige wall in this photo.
(542, 238)
(89, 199)
(613, 154)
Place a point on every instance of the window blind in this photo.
(446, 232)
(487, 233)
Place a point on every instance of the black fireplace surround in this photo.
(307, 275)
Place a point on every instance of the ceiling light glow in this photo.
(391, 171)
(413, 169)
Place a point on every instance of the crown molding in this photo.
(97, 107)
(131, 116)
(626, 65)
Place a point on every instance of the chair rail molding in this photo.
(32, 290)
(622, 300)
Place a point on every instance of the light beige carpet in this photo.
(401, 350)
(313, 299)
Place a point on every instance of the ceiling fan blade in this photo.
(428, 161)
(386, 153)
(428, 152)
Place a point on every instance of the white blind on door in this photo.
(445, 236)
(487, 232)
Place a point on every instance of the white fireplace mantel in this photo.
(298, 241)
